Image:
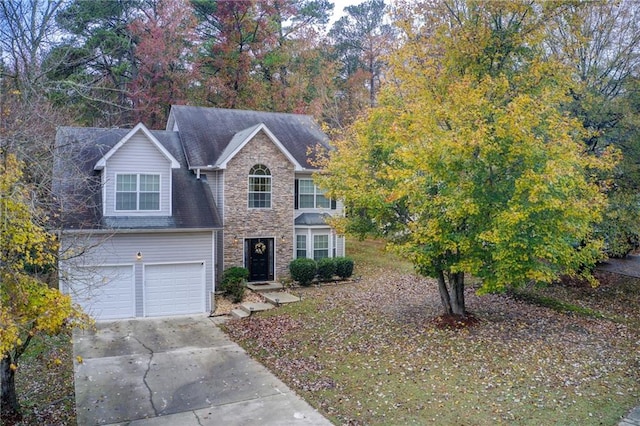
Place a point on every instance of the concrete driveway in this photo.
(629, 266)
(177, 371)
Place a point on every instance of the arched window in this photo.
(259, 187)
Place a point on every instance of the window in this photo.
(137, 192)
(259, 187)
(320, 246)
(301, 246)
(310, 196)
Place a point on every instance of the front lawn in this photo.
(371, 352)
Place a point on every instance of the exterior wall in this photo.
(215, 180)
(137, 155)
(336, 242)
(216, 184)
(121, 249)
(240, 222)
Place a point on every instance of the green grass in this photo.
(615, 299)
(369, 352)
(555, 304)
(368, 254)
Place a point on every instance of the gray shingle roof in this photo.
(312, 219)
(78, 189)
(206, 132)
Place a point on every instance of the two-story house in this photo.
(151, 218)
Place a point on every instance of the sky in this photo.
(338, 8)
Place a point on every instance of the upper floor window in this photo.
(137, 192)
(310, 196)
(259, 187)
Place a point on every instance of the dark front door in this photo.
(259, 255)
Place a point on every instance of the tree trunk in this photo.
(372, 81)
(457, 289)
(9, 407)
(452, 302)
(444, 294)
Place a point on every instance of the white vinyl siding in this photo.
(215, 180)
(138, 156)
(310, 196)
(137, 192)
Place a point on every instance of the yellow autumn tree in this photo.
(28, 306)
(469, 164)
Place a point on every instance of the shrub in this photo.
(303, 270)
(233, 283)
(326, 268)
(344, 267)
(235, 272)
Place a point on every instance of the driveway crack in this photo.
(197, 418)
(144, 378)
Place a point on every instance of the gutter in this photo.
(134, 230)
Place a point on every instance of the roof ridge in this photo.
(246, 110)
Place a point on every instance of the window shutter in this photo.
(333, 204)
(295, 195)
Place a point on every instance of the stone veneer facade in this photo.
(242, 222)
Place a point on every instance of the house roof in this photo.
(312, 219)
(78, 189)
(206, 133)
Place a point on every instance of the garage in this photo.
(174, 289)
(104, 292)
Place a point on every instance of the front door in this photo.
(259, 258)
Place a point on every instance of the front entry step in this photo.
(264, 287)
(280, 298)
(239, 313)
(273, 299)
(251, 307)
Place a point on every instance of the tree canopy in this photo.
(470, 163)
(28, 306)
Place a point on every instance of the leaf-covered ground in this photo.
(44, 382)
(371, 352)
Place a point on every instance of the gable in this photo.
(138, 134)
(242, 138)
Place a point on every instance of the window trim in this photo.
(137, 192)
(253, 175)
(299, 248)
(328, 248)
(317, 192)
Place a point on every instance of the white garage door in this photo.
(174, 289)
(104, 292)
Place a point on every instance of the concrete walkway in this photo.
(632, 419)
(177, 371)
(629, 266)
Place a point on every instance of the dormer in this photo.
(136, 176)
